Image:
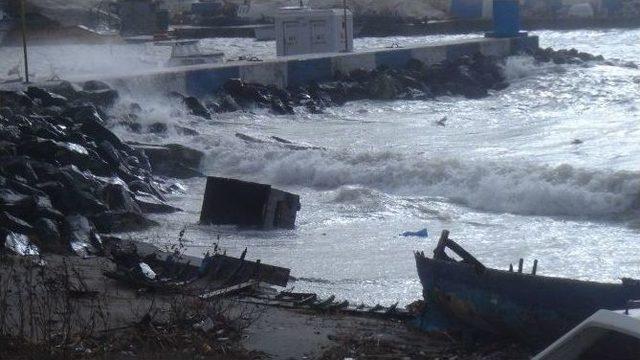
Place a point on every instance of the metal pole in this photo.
(346, 37)
(24, 41)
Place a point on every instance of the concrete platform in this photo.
(202, 80)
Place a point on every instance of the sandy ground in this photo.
(104, 311)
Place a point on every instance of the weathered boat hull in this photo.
(533, 308)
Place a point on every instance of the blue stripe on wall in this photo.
(395, 59)
(304, 71)
(205, 82)
(455, 51)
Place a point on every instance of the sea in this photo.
(545, 170)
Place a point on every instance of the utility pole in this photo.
(346, 37)
(24, 40)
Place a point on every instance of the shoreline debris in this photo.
(532, 308)
(248, 205)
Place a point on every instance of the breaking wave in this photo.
(509, 187)
(518, 67)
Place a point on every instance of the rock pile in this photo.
(468, 76)
(64, 176)
(562, 56)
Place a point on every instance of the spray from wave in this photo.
(511, 187)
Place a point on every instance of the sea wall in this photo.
(290, 71)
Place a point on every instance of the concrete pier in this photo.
(202, 80)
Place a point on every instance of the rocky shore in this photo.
(472, 77)
(67, 182)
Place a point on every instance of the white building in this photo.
(303, 30)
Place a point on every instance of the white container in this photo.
(302, 30)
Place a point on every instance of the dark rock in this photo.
(15, 224)
(181, 130)
(63, 88)
(196, 108)
(64, 153)
(229, 104)
(117, 198)
(47, 98)
(383, 87)
(112, 221)
(151, 204)
(109, 153)
(234, 87)
(49, 238)
(23, 188)
(94, 85)
(158, 128)
(279, 108)
(105, 98)
(15, 203)
(72, 199)
(174, 160)
(15, 100)
(10, 133)
(82, 237)
(21, 166)
(92, 126)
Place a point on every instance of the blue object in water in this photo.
(506, 19)
(422, 233)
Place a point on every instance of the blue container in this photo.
(506, 18)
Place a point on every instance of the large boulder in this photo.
(48, 236)
(82, 237)
(118, 198)
(121, 221)
(173, 160)
(47, 98)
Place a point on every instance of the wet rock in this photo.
(18, 244)
(92, 125)
(229, 104)
(63, 88)
(109, 153)
(21, 166)
(383, 87)
(279, 108)
(47, 98)
(196, 108)
(158, 128)
(49, 238)
(120, 221)
(173, 160)
(23, 188)
(82, 237)
(95, 85)
(15, 203)
(117, 198)
(72, 199)
(181, 130)
(150, 204)
(10, 133)
(105, 98)
(64, 153)
(15, 224)
(15, 100)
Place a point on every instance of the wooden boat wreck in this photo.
(535, 309)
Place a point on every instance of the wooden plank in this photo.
(228, 290)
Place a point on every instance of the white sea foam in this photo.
(518, 188)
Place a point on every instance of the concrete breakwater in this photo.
(292, 71)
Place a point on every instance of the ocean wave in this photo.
(511, 187)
